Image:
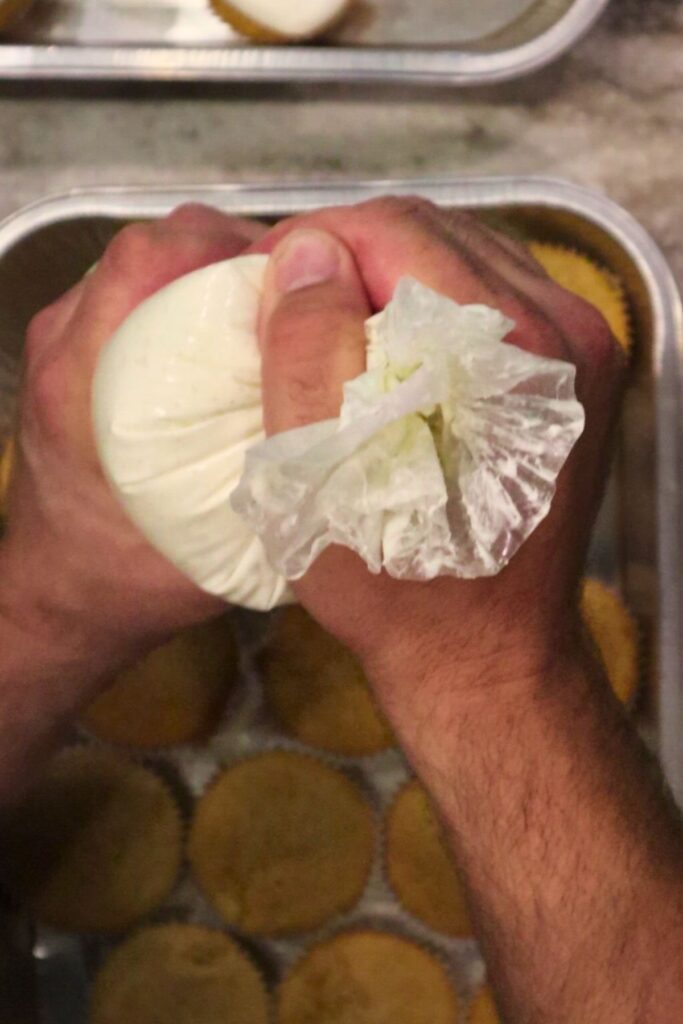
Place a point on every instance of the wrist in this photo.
(36, 612)
(490, 668)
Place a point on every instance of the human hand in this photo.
(76, 575)
(329, 271)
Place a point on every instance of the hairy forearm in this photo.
(50, 667)
(571, 849)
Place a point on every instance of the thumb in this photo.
(311, 332)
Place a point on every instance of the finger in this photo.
(140, 260)
(202, 219)
(47, 326)
(393, 238)
(312, 329)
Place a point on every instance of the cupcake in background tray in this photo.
(368, 977)
(316, 690)
(280, 843)
(276, 21)
(95, 846)
(174, 695)
(179, 974)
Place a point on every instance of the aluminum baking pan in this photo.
(48, 245)
(454, 42)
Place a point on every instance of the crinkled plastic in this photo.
(443, 460)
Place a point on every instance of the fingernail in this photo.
(305, 258)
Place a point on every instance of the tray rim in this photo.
(283, 199)
(310, 64)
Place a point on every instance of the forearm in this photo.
(571, 850)
(50, 667)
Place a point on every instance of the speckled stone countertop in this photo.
(609, 115)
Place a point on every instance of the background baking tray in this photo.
(455, 42)
(47, 247)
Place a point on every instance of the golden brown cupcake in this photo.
(578, 274)
(419, 864)
(174, 695)
(483, 1009)
(6, 466)
(280, 843)
(96, 845)
(615, 634)
(367, 977)
(316, 689)
(179, 974)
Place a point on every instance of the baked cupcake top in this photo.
(367, 977)
(280, 843)
(95, 846)
(580, 275)
(615, 635)
(419, 864)
(483, 1009)
(174, 695)
(179, 974)
(317, 691)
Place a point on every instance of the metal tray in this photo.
(454, 42)
(48, 246)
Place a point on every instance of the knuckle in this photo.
(45, 400)
(190, 215)
(534, 331)
(131, 250)
(37, 333)
(394, 208)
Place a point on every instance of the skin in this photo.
(571, 851)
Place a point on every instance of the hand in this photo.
(75, 572)
(328, 272)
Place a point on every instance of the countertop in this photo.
(608, 115)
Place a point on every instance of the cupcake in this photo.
(578, 274)
(179, 974)
(271, 21)
(615, 634)
(6, 466)
(483, 1010)
(280, 843)
(419, 865)
(367, 977)
(316, 691)
(174, 695)
(95, 846)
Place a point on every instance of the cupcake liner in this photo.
(269, 725)
(96, 935)
(453, 943)
(621, 311)
(358, 779)
(255, 954)
(462, 975)
(232, 708)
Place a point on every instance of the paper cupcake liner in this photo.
(179, 803)
(231, 709)
(256, 954)
(462, 976)
(352, 774)
(446, 940)
(267, 719)
(619, 291)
